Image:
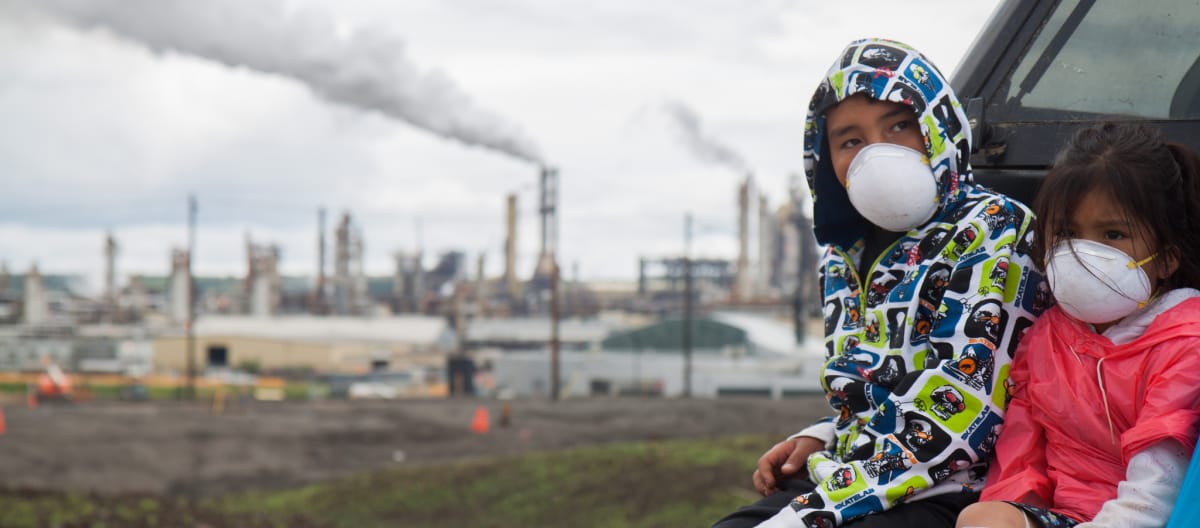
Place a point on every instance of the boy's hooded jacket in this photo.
(919, 349)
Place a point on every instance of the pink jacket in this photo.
(1082, 407)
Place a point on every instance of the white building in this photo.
(732, 354)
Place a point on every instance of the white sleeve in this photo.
(1147, 495)
(823, 431)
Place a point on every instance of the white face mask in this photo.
(892, 186)
(1096, 283)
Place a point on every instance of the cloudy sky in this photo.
(417, 117)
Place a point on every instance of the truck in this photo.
(1041, 69)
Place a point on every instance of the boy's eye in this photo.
(902, 125)
(851, 143)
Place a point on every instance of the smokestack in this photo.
(110, 275)
(549, 212)
(179, 292)
(341, 267)
(262, 279)
(365, 68)
(766, 245)
(743, 261)
(510, 247)
(318, 303)
(409, 289)
(481, 289)
(36, 310)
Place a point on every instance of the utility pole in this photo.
(548, 265)
(555, 368)
(191, 307)
(687, 305)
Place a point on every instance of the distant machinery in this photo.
(540, 284)
(806, 295)
(318, 301)
(9, 300)
(661, 281)
(450, 269)
(261, 288)
(179, 286)
(757, 234)
(36, 309)
(349, 280)
(110, 278)
(408, 286)
(512, 285)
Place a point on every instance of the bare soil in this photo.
(180, 448)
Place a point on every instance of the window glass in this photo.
(1112, 58)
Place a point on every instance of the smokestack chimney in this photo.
(549, 212)
(743, 261)
(110, 275)
(180, 286)
(318, 302)
(341, 268)
(36, 310)
(4, 277)
(510, 246)
(481, 289)
(766, 245)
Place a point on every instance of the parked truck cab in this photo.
(1042, 69)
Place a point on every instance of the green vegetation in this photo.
(644, 484)
(296, 390)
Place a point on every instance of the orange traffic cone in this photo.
(482, 422)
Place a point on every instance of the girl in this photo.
(1105, 386)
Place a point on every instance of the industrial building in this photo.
(731, 355)
(309, 344)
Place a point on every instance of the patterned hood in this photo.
(887, 71)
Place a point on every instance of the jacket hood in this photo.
(886, 71)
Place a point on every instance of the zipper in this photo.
(858, 280)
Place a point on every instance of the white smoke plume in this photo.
(366, 68)
(705, 147)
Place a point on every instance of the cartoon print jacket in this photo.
(1070, 443)
(917, 351)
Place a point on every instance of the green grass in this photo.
(292, 391)
(644, 484)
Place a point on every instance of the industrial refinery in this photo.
(437, 325)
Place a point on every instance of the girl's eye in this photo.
(1114, 235)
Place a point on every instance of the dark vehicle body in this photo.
(1040, 70)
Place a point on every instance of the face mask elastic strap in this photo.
(1131, 264)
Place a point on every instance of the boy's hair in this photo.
(1156, 182)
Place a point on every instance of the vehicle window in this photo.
(1110, 58)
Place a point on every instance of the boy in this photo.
(926, 284)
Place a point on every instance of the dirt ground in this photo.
(186, 449)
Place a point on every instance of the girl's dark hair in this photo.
(1156, 182)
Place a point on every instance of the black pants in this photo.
(934, 512)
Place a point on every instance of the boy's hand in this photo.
(785, 460)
